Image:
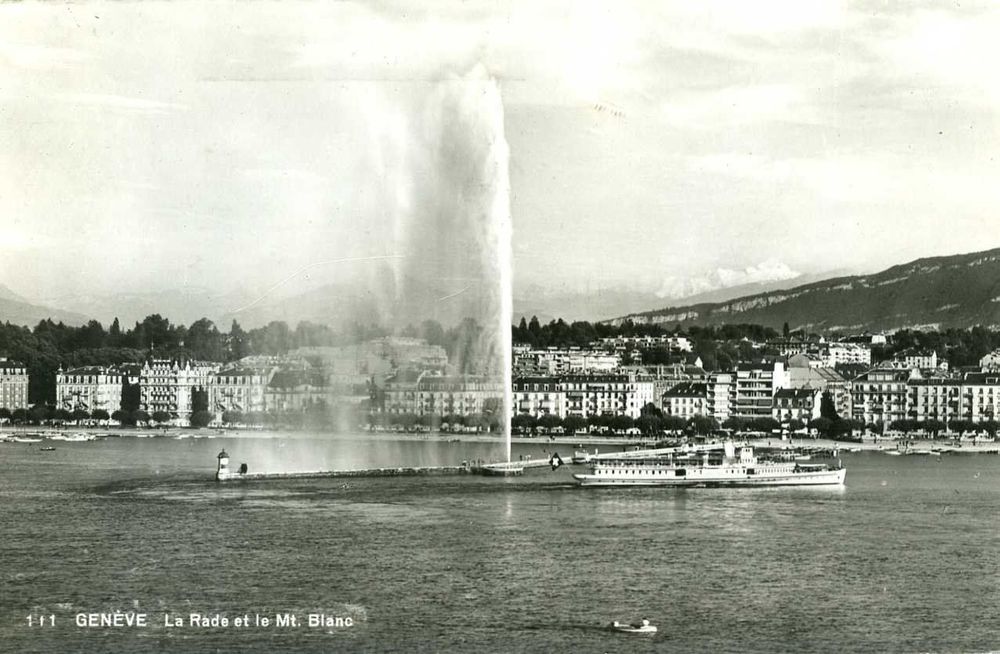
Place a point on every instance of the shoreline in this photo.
(578, 441)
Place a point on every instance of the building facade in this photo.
(13, 385)
(756, 384)
(595, 395)
(89, 388)
(686, 400)
(167, 386)
(880, 395)
(426, 393)
(240, 390)
(539, 396)
(796, 404)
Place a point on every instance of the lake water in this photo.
(905, 558)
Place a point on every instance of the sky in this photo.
(669, 147)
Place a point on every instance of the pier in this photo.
(503, 469)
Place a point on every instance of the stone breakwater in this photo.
(429, 471)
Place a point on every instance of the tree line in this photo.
(721, 347)
(51, 345)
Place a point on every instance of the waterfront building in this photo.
(756, 384)
(980, 396)
(294, 390)
(425, 393)
(826, 379)
(796, 404)
(167, 385)
(721, 395)
(463, 395)
(539, 396)
(880, 395)
(13, 384)
(241, 390)
(933, 399)
(89, 388)
(686, 400)
(614, 394)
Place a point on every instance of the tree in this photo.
(549, 422)
(238, 343)
(120, 416)
(131, 396)
(905, 426)
(138, 416)
(99, 415)
(621, 424)
(161, 417)
(651, 410)
(5, 414)
(821, 426)
(232, 417)
(523, 423)
(199, 400)
(933, 427)
(649, 424)
(735, 424)
(785, 330)
(960, 426)
(79, 414)
(204, 341)
(573, 424)
(201, 418)
(796, 425)
(703, 425)
(674, 423)
(827, 409)
(19, 415)
(989, 426)
(764, 424)
(115, 333)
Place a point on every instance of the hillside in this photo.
(19, 311)
(939, 292)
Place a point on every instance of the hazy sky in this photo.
(671, 146)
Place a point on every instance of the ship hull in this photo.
(817, 478)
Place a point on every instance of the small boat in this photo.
(47, 449)
(635, 628)
(25, 439)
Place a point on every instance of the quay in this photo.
(505, 469)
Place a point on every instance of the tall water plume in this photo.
(443, 164)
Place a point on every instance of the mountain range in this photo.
(20, 311)
(939, 292)
(933, 293)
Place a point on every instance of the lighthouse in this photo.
(222, 472)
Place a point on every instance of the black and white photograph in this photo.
(500, 326)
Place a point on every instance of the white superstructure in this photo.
(706, 466)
